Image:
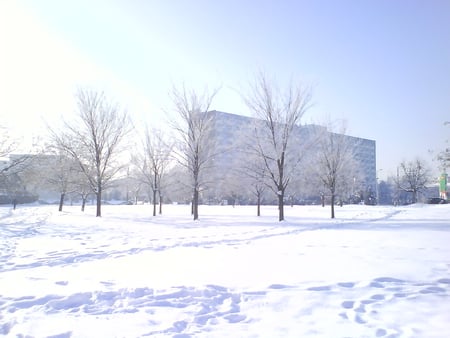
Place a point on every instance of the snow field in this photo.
(372, 272)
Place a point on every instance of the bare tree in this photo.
(335, 164)
(82, 188)
(444, 156)
(280, 113)
(193, 127)
(17, 174)
(251, 173)
(152, 163)
(175, 187)
(94, 139)
(11, 188)
(12, 185)
(413, 177)
(258, 185)
(134, 181)
(9, 145)
(60, 174)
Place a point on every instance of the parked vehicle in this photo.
(436, 200)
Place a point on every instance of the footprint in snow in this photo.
(384, 290)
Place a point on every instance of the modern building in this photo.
(229, 131)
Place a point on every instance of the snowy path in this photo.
(373, 272)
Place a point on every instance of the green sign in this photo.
(443, 183)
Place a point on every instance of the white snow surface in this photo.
(374, 271)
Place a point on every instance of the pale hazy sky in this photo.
(384, 66)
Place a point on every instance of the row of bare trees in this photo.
(88, 152)
(93, 141)
(273, 150)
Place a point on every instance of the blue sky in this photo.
(384, 66)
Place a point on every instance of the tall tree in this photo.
(258, 186)
(152, 163)
(133, 181)
(280, 113)
(193, 127)
(413, 176)
(94, 139)
(60, 174)
(251, 173)
(82, 188)
(335, 164)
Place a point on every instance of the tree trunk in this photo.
(61, 201)
(281, 188)
(414, 196)
(99, 201)
(281, 205)
(160, 204)
(83, 203)
(332, 204)
(14, 203)
(195, 204)
(154, 202)
(258, 207)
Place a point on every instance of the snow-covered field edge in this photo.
(372, 272)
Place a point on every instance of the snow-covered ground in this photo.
(372, 272)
